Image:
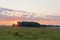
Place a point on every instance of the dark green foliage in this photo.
(43, 26)
(16, 34)
(28, 24)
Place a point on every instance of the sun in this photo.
(15, 23)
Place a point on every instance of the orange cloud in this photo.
(7, 22)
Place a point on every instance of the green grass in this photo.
(16, 33)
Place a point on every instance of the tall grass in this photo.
(21, 33)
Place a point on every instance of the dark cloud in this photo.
(8, 14)
(5, 9)
(53, 17)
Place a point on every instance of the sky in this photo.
(46, 10)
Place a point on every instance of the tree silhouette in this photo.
(28, 24)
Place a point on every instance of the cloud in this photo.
(6, 17)
(19, 15)
(52, 17)
(3, 17)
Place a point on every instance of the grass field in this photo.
(16, 33)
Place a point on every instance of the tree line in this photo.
(33, 24)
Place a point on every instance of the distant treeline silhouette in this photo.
(28, 24)
(32, 24)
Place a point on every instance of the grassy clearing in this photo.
(16, 33)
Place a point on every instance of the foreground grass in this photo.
(16, 33)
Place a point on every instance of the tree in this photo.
(28, 24)
(14, 25)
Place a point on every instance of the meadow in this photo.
(29, 33)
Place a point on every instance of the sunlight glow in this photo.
(15, 23)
